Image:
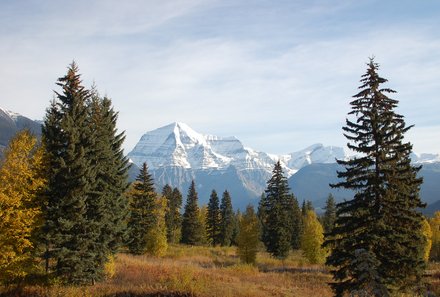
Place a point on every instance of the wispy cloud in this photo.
(279, 77)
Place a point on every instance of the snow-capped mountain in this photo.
(11, 123)
(176, 154)
(177, 145)
(425, 158)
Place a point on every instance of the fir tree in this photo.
(306, 206)
(329, 217)
(142, 208)
(203, 214)
(71, 231)
(297, 223)
(262, 214)
(108, 204)
(364, 268)
(173, 218)
(249, 236)
(382, 219)
(276, 215)
(213, 220)
(227, 220)
(236, 227)
(192, 229)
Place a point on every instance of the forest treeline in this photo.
(67, 209)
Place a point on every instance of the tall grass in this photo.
(200, 271)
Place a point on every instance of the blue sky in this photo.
(278, 75)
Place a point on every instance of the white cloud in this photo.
(277, 98)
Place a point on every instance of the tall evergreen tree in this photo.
(192, 229)
(382, 219)
(203, 214)
(236, 227)
(307, 206)
(227, 220)
(213, 219)
(142, 208)
(297, 223)
(276, 215)
(329, 217)
(108, 204)
(173, 218)
(71, 230)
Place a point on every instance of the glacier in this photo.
(176, 154)
(178, 145)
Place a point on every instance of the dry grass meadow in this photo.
(205, 271)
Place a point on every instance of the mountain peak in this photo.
(177, 144)
(12, 115)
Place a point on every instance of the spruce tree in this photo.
(227, 220)
(381, 222)
(276, 215)
(329, 217)
(213, 219)
(142, 208)
(297, 223)
(236, 227)
(173, 218)
(71, 231)
(192, 229)
(203, 214)
(108, 205)
(307, 206)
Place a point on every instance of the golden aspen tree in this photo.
(427, 234)
(248, 236)
(435, 229)
(312, 239)
(157, 244)
(21, 182)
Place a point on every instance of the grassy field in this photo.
(206, 271)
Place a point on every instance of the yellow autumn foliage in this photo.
(435, 230)
(21, 182)
(427, 234)
(110, 267)
(157, 236)
(312, 239)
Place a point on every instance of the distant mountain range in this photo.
(11, 123)
(176, 154)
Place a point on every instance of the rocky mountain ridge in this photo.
(176, 154)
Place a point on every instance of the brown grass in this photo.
(199, 271)
(206, 271)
